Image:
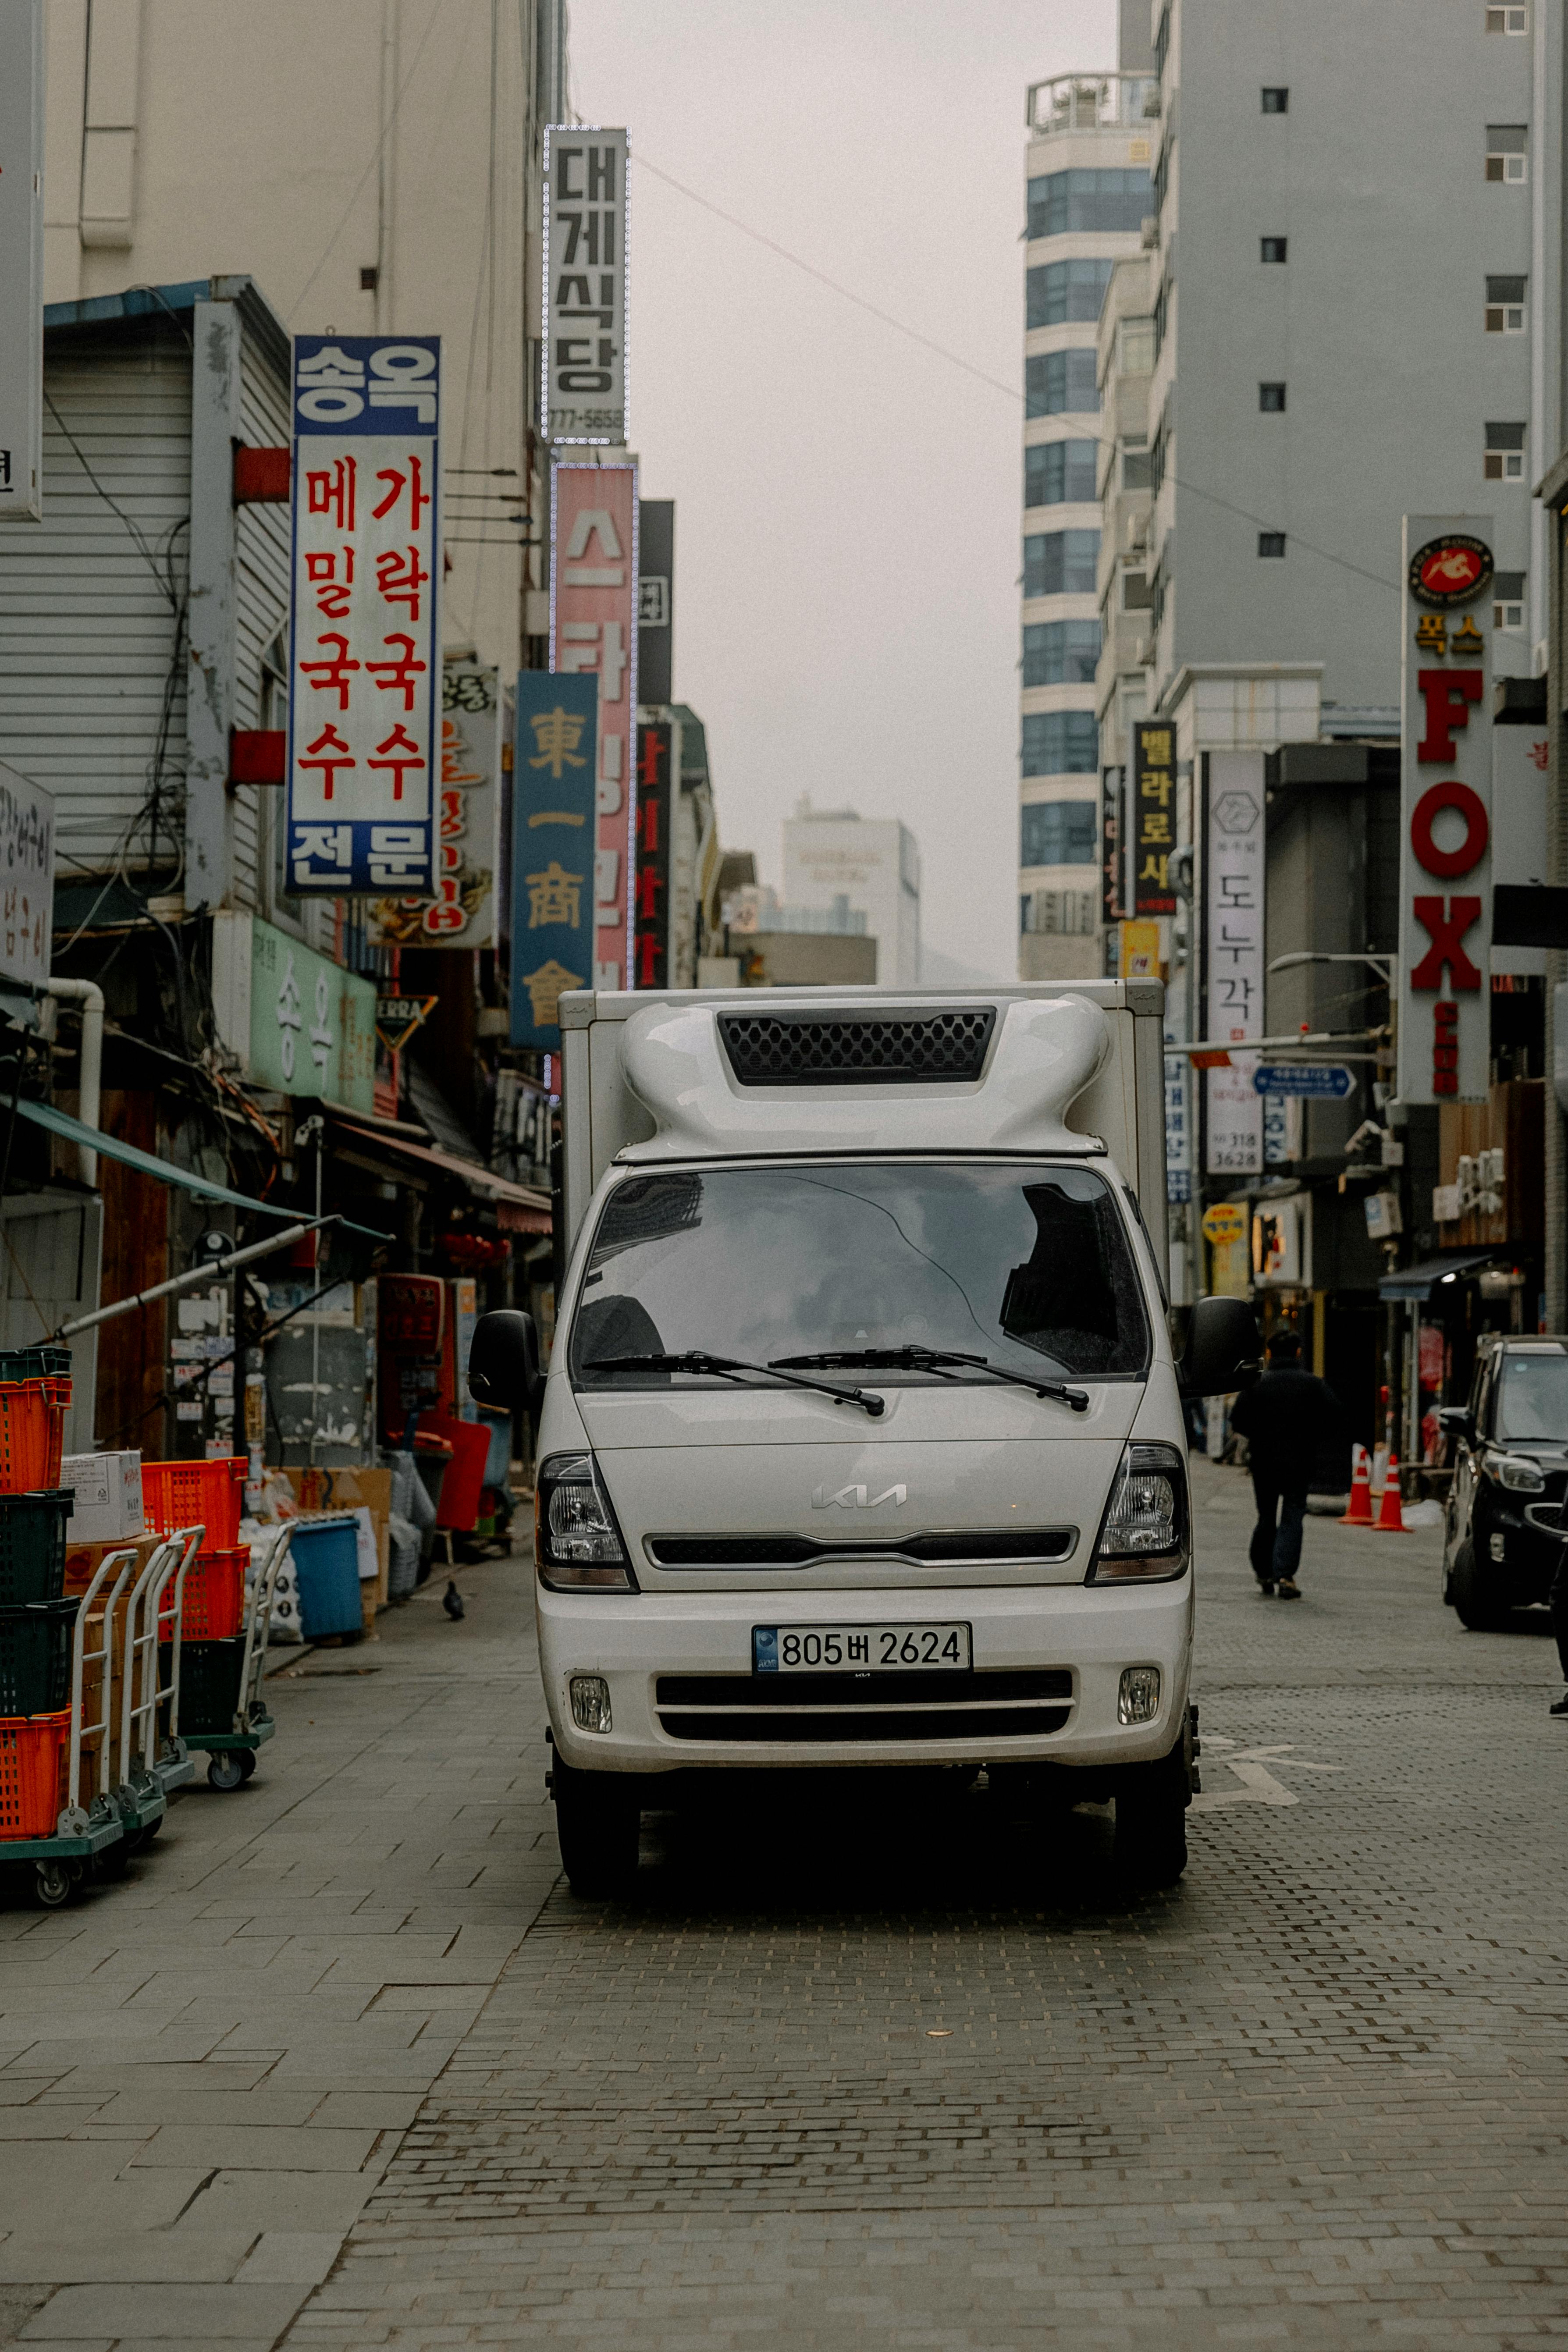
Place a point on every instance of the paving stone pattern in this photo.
(867, 2061)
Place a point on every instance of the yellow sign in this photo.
(1225, 1223)
(1140, 951)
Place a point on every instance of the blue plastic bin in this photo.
(326, 1564)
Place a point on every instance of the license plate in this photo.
(859, 1649)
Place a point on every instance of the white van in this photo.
(862, 1442)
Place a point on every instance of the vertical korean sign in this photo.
(593, 627)
(365, 666)
(1446, 781)
(1154, 819)
(21, 258)
(1236, 875)
(583, 349)
(651, 968)
(551, 852)
(463, 912)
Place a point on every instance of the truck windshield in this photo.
(1532, 1406)
(1029, 1266)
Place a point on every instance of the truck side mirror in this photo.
(503, 1363)
(1221, 1339)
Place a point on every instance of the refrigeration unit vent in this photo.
(810, 1049)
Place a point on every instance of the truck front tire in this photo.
(598, 1818)
(1151, 1801)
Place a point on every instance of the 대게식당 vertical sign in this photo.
(1153, 818)
(552, 851)
(1445, 813)
(583, 348)
(365, 656)
(1235, 867)
(593, 627)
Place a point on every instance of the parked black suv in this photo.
(1510, 1475)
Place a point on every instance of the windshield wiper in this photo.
(726, 1367)
(932, 1359)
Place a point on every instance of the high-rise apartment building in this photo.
(1089, 149)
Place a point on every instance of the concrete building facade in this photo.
(874, 863)
(1087, 168)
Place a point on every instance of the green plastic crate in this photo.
(36, 1657)
(33, 1545)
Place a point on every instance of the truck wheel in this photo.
(598, 1821)
(1151, 1800)
(1479, 1610)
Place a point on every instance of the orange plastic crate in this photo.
(194, 1494)
(35, 1767)
(32, 1432)
(214, 1594)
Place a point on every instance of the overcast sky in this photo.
(847, 517)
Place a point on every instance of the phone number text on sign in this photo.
(364, 671)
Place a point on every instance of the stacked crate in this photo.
(35, 1621)
(212, 1637)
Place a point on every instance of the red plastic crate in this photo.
(35, 1767)
(194, 1494)
(214, 1606)
(32, 1432)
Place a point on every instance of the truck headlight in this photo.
(1143, 1535)
(1518, 1473)
(577, 1546)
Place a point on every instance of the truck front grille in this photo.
(946, 1547)
(812, 1049)
(1013, 1703)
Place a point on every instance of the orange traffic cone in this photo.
(1359, 1512)
(1390, 1519)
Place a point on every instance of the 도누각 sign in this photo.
(364, 656)
(1445, 822)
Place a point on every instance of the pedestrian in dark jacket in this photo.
(1285, 1418)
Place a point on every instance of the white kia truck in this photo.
(862, 1442)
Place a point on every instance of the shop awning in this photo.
(518, 1209)
(75, 1131)
(1417, 1281)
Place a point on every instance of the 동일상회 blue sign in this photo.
(364, 653)
(1317, 1081)
(554, 769)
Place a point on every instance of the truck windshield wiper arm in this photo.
(934, 1359)
(726, 1367)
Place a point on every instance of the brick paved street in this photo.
(346, 2065)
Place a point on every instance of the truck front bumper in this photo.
(653, 1651)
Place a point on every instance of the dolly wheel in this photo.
(245, 1759)
(226, 1772)
(53, 1885)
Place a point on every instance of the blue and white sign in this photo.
(555, 765)
(364, 653)
(1317, 1081)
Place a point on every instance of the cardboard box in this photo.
(352, 1490)
(108, 1490)
(82, 1558)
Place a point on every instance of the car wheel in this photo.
(1479, 1610)
(1151, 1840)
(598, 1819)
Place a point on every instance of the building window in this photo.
(1270, 542)
(1060, 743)
(1271, 399)
(1507, 20)
(1060, 473)
(1137, 469)
(1274, 248)
(1061, 564)
(1057, 832)
(1136, 595)
(1508, 152)
(1061, 653)
(1276, 101)
(1061, 384)
(1508, 589)
(1135, 346)
(1504, 459)
(1065, 200)
(1058, 292)
(1505, 306)
(1069, 913)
